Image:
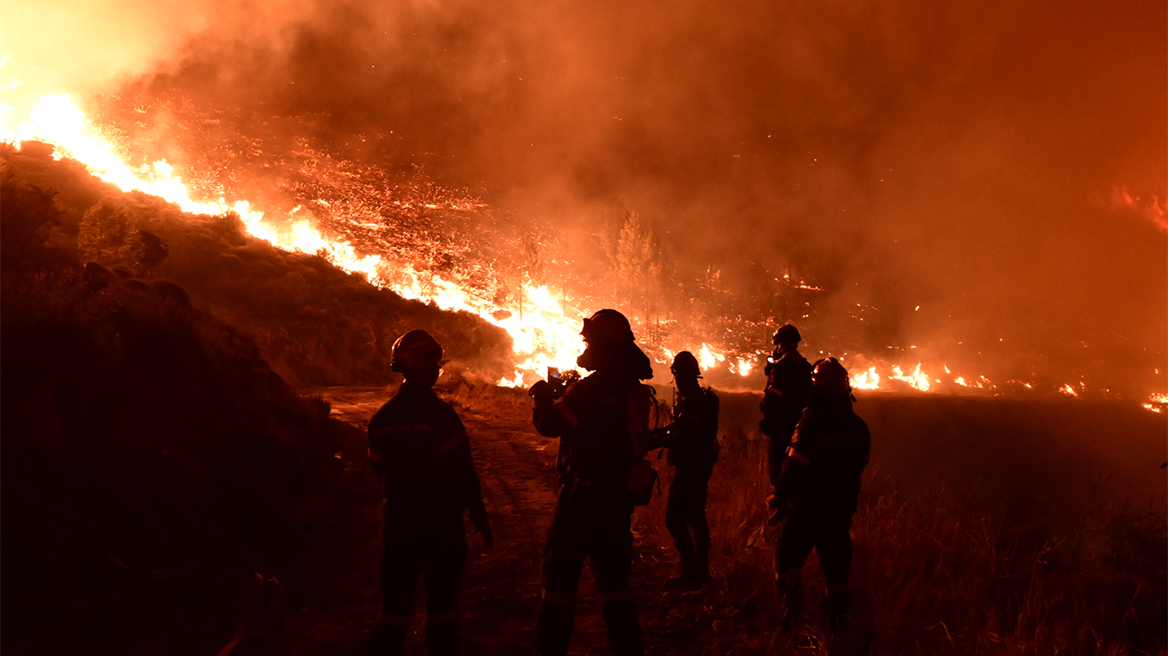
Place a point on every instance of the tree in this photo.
(638, 266)
(108, 235)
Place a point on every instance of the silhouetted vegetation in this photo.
(143, 439)
(314, 324)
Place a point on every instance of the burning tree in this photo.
(638, 270)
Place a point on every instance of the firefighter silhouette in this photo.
(788, 386)
(422, 458)
(818, 488)
(692, 443)
(602, 422)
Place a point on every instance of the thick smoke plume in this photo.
(990, 177)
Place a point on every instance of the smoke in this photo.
(941, 163)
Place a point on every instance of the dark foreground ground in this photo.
(1026, 466)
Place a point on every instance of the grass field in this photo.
(987, 526)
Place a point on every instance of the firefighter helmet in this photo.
(414, 351)
(787, 333)
(828, 374)
(685, 364)
(607, 326)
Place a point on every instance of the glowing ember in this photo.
(1157, 402)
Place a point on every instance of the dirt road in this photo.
(333, 587)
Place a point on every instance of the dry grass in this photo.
(931, 574)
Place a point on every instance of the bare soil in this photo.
(333, 585)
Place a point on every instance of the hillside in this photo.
(314, 324)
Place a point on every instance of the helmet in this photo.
(685, 364)
(607, 326)
(830, 375)
(415, 351)
(787, 333)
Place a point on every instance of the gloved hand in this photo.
(657, 438)
(483, 528)
(542, 392)
(778, 509)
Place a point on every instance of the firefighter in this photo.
(602, 421)
(422, 458)
(819, 485)
(788, 385)
(692, 443)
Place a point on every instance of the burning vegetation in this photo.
(963, 203)
(405, 233)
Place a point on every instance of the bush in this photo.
(139, 434)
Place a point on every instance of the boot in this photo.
(702, 566)
(442, 638)
(688, 579)
(790, 587)
(836, 606)
(387, 640)
(624, 631)
(554, 628)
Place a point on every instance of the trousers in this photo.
(591, 522)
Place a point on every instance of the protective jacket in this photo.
(421, 456)
(828, 453)
(787, 390)
(602, 421)
(786, 393)
(693, 436)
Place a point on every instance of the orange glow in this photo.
(547, 335)
(546, 332)
(1157, 402)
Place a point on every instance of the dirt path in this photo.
(333, 586)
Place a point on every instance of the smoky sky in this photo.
(999, 165)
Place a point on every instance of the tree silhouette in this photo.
(638, 266)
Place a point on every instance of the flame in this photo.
(917, 379)
(1157, 402)
(868, 380)
(744, 367)
(709, 358)
(547, 335)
